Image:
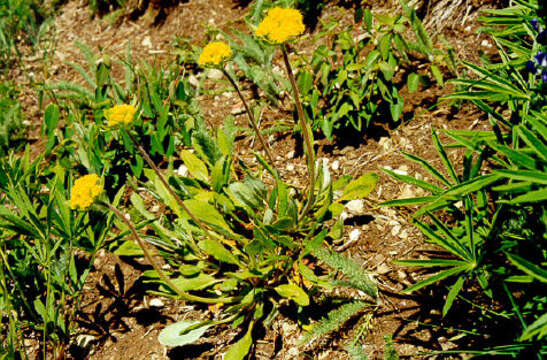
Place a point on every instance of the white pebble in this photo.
(182, 171)
(157, 303)
(355, 207)
(354, 235)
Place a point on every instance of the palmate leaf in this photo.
(437, 277)
(532, 196)
(533, 141)
(528, 267)
(537, 328)
(450, 243)
(427, 166)
(412, 180)
(454, 291)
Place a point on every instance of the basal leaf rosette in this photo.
(84, 191)
(117, 115)
(214, 54)
(281, 25)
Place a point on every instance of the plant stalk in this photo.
(251, 117)
(308, 139)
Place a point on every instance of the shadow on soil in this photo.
(117, 303)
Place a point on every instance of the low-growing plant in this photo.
(496, 206)
(162, 94)
(344, 87)
(11, 127)
(41, 276)
(240, 239)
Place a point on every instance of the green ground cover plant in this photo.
(41, 275)
(497, 232)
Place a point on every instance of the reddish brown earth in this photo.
(116, 314)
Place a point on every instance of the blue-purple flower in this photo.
(541, 58)
(531, 67)
(544, 76)
(535, 24)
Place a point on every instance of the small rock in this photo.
(238, 109)
(84, 341)
(215, 74)
(193, 81)
(156, 303)
(408, 192)
(355, 207)
(290, 167)
(335, 165)
(400, 171)
(386, 143)
(293, 352)
(354, 235)
(486, 43)
(182, 171)
(147, 42)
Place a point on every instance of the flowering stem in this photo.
(168, 187)
(305, 130)
(251, 118)
(155, 265)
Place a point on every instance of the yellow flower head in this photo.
(120, 114)
(84, 191)
(281, 25)
(214, 53)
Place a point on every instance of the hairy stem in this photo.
(308, 139)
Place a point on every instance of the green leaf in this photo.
(413, 82)
(532, 196)
(199, 282)
(240, 349)
(528, 267)
(360, 187)
(454, 291)
(196, 167)
(171, 335)
(435, 278)
(218, 251)
(129, 248)
(538, 327)
(293, 292)
(437, 75)
(412, 180)
(207, 213)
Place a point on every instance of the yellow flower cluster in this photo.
(281, 25)
(214, 53)
(84, 191)
(120, 114)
